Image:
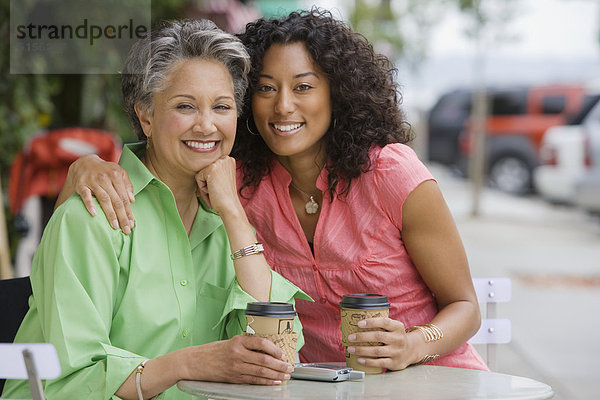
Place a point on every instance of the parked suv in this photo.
(518, 118)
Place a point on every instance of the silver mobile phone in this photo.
(329, 372)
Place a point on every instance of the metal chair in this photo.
(493, 331)
(31, 361)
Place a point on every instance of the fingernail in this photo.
(361, 360)
(132, 224)
(114, 224)
(362, 323)
(290, 368)
(351, 349)
(127, 230)
(93, 211)
(352, 337)
(286, 377)
(277, 382)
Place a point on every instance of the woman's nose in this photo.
(204, 124)
(284, 103)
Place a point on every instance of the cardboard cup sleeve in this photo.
(285, 341)
(350, 319)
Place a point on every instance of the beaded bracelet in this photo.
(138, 379)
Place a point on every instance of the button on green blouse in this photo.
(107, 300)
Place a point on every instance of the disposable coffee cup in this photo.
(269, 318)
(273, 321)
(353, 309)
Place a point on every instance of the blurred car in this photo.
(587, 189)
(514, 130)
(445, 121)
(562, 156)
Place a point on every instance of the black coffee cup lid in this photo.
(365, 301)
(270, 309)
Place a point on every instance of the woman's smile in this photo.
(202, 146)
(286, 128)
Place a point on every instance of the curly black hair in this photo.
(364, 95)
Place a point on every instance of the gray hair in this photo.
(151, 58)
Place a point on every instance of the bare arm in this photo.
(242, 359)
(108, 182)
(217, 186)
(434, 245)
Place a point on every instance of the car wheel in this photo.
(511, 174)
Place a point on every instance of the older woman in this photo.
(130, 315)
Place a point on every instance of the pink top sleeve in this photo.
(398, 172)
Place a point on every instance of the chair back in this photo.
(491, 291)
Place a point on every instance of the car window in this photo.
(509, 102)
(588, 103)
(452, 108)
(592, 121)
(553, 104)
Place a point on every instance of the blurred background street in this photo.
(552, 255)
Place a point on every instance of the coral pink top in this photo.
(358, 248)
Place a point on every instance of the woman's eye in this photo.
(185, 106)
(265, 88)
(303, 87)
(222, 107)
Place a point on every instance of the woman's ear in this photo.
(145, 118)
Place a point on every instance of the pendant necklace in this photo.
(311, 206)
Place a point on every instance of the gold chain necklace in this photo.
(311, 206)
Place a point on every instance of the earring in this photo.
(334, 123)
(250, 130)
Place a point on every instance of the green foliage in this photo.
(26, 101)
(33, 102)
(30, 103)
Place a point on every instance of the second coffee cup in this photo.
(354, 308)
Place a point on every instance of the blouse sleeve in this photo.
(74, 277)
(282, 290)
(398, 172)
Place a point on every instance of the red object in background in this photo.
(40, 169)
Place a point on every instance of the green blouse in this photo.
(107, 300)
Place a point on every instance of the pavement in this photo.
(552, 255)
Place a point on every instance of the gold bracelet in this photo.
(430, 331)
(428, 358)
(255, 248)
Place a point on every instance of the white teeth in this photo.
(201, 145)
(287, 128)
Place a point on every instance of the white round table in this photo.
(423, 382)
